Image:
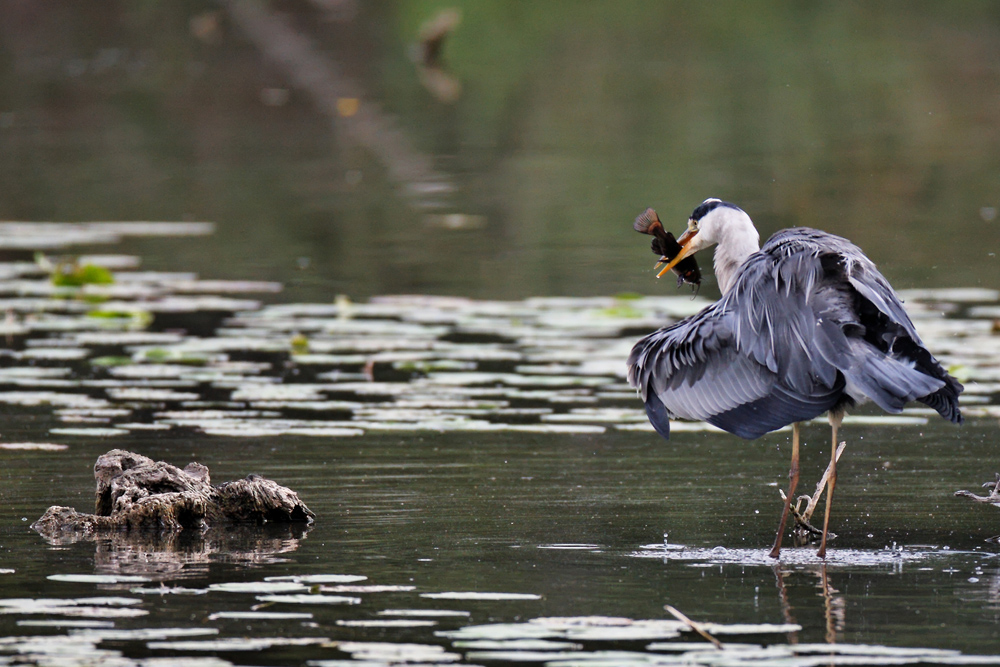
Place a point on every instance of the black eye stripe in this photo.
(709, 205)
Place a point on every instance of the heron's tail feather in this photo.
(888, 382)
(945, 399)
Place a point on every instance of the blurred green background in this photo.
(333, 158)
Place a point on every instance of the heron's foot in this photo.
(993, 498)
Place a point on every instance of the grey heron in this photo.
(805, 325)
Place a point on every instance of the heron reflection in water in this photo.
(805, 325)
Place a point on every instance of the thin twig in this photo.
(993, 498)
(694, 626)
(821, 487)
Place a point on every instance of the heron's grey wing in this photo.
(694, 369)
(872, 285)
(897, 336)
(775, 301)
(796, 314)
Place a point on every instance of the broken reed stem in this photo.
(694, 626)
(813, 500)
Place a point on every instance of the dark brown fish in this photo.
(666, 246)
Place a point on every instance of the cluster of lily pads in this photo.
(116, 350)
(287, 612)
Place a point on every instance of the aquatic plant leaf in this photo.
(370, 588)
(320, 578)
(310, 598)
(474, 595)
(89, 432)
(563, 658)
(236, 643)
(501, 631)
(517, 645)
(64, 623)
(143, 634)
(79, 275)
(110, 361)
(431, 613)
(167, 590)
(397, 653)
(263, 587)
(97, 578)
(38, 446)
(386, 623)
(259, 615)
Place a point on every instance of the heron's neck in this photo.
(733, 249)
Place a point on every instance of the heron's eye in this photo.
(693, 225)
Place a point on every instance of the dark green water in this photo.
(876, 122)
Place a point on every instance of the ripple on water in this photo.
(799, 555)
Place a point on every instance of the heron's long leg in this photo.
(835, 420)
(793, 481)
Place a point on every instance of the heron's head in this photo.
(714, 221)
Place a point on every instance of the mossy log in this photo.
(136, 493)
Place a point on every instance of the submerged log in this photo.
(136, 493)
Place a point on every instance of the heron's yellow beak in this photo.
(687, 248)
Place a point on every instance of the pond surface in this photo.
(487, 488)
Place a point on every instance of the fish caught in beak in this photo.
(685, 248)
(670, 250)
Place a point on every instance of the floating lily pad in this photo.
(64, 623)
(153, 395)
(144, 634)
(473, 595)
(168, 590)
(319, 578)
(562, 658)
(517, 645)
(263, 587)
(386, 623)
(98, 578)
(431, 613)
(55, 353)
(259, 615)
(398, 653)
(89, 432)
(236, 643)
(39, 446)
(306, 598)
(501, 632)
(370, 588)
(50, 398)
(60, 608)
